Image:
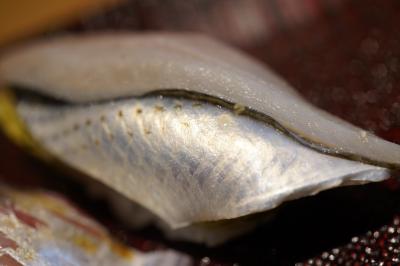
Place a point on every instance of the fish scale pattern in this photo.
(157, 152)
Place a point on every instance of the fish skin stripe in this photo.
(181, 93)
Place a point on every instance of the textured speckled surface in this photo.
(376, 247)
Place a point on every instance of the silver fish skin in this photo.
(105, 66)
(188, 161)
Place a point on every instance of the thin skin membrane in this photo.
(188, 161)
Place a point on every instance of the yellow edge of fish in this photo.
(14, 127)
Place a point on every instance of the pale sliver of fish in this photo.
(188, 160)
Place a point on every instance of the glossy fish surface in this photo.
(85, 68)
(188, 128)
(188, 161)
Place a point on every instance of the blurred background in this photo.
(342, 55)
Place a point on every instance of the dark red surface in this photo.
(7, 260)
(5, 242)
(378, 247)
